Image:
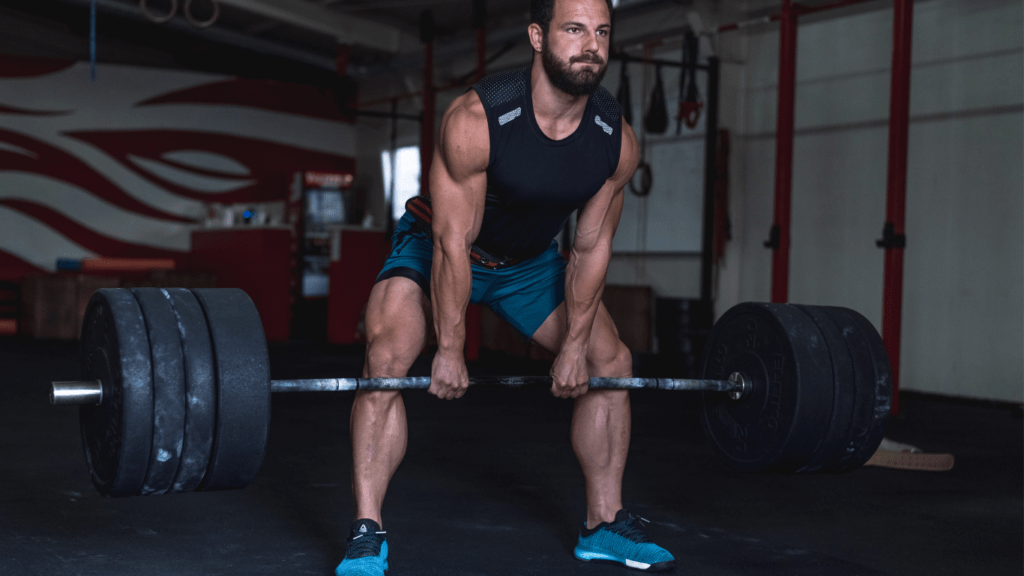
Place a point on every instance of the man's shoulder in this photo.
(502, 87)
(606, 104)
(464, 137)
(467, 112)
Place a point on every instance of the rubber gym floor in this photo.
(490, 486)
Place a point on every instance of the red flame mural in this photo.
(121, 170)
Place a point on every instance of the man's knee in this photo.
(388, 359)
(378, 400)
(611, 361)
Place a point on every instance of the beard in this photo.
(581, 82)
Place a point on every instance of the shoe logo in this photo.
(362, 528)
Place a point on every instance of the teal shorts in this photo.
(524, 294)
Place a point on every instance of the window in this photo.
(406, 171)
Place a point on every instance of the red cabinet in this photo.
(257, 260)
(357, 256)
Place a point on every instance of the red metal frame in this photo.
(427, 126)
(896, 196)
(784, 152)
(341, 59)
(899, 123)
(481, 53)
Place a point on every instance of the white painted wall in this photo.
(963, 319)
(667, 257)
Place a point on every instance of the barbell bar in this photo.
(70, 393)
(175, 389)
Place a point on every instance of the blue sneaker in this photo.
(624, 541)
(367, 551)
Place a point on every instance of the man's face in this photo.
(575, 49)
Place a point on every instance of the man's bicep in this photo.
(458, 179)
(457, 205)
(629, 157)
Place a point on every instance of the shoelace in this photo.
(633, 529)
(364, 545)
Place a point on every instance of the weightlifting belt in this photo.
(419, 207)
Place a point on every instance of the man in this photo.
(516, 156)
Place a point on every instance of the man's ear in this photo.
(536, 36)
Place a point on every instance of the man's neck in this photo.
(557, 113)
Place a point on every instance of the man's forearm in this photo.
(451, 283)
(584, 283)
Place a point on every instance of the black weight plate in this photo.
(168, 389)
(117, 434)
(243, 387)
(780, 424)
(200, 389)
(872, 397)
(844, 389)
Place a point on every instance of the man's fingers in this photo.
(448, 391)
(565, 391)
(561, 390)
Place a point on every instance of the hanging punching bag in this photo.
(656, 121)
(625, 102)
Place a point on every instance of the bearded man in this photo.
(516, 156)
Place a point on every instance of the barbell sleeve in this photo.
(72, 393)
(75, 392)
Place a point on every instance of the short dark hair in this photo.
(541, 12)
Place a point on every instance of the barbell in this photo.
(175, 389)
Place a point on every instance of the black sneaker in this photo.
(367, 553)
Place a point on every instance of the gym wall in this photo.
(122, 167)
(963, 315)
(963, 322)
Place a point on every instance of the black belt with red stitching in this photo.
(481, 258)
(419, 207)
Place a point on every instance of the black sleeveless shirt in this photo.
(535, 183)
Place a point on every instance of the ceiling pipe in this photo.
(227, 37)
(798, 9)
(346, 29)
(495, 39)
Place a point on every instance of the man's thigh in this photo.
(411, 254)
(396, 326)
(604, 336)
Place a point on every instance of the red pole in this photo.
(427, 134)
(481, 54)
(341, 60)
(779, 241)
(480, 23)
(427, 125)
(894, 239)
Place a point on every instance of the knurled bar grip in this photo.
(71, 393)
(423, 382)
